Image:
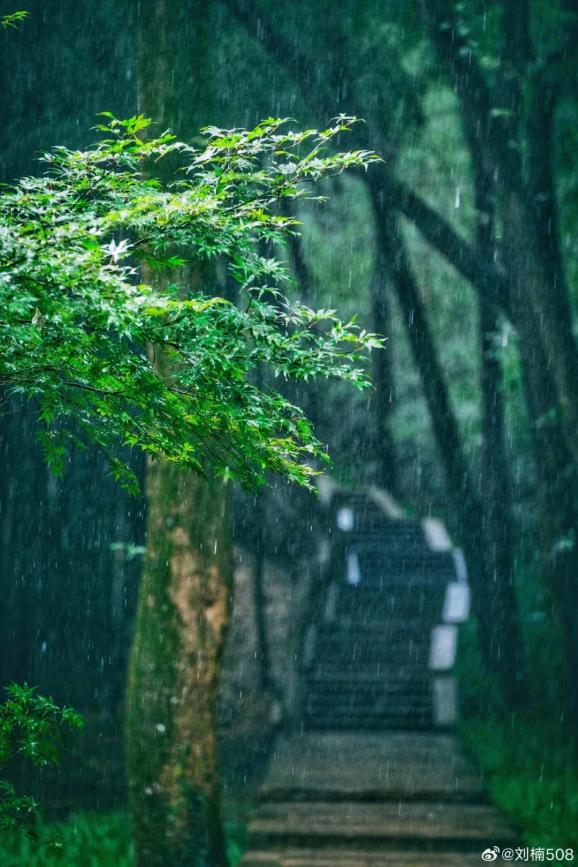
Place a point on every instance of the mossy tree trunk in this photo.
(173, 679)
(185, 595)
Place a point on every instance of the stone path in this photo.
(394, 799)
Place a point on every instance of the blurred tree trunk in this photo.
(266, 683)
(509, 132)
(259, 581)
(383, 451)
(511, 120)
(507, 644)
(186, 588)
(557, 481)
(558, 508)
(381, 448)
(307, 393)
(544, 320)
(506, 651)
(495, 606)
(464, 500)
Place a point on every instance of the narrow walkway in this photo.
(396, 799)
(375, 779)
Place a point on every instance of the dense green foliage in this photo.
(532, 777)
(529, 757)
(78, 322)
(31, 727)
(88, 840)
(85, 839)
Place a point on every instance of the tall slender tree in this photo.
(504, 120)
(506, 642)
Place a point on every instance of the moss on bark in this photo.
(181, 623)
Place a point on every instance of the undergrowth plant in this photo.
(31, 727)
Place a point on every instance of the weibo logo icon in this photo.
(491, 854)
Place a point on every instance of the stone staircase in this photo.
(367, 664)
(395, 799)
(369, 778)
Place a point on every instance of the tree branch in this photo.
(489, 280)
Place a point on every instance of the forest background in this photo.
(460, 248)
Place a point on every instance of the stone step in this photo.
(402, 576)
(390, 612)
(367, 697)
(379, 597)
(401, 586)
(367, 660)
(356, 857)
(400, 566)
(367, 719)
(368, 724)
(415, 604)
(332, 721)
(394, 702)
(378, 675)
(362, 766)
(368, 692)
(370, 629)
(395, 667)
(375, 633)
(362, 650)
(365, 520)
(364, 636)
(373, 623)
(421, 825)
(370, 626)
(368, 716)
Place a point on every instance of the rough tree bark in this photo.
(173, 680)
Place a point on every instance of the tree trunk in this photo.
(185, 596)
(464, 501)
(260, 597)
(557, 487)
(306, 393)
(542, 308)
(516, 143)
(383, 451)
(181, 623)
(516, 146)
(506, 641)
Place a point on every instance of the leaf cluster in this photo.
(110, 317)
(32, 727)
(13, 19)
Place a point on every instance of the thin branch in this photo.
(485, 276)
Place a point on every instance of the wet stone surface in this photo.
(395, 798)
